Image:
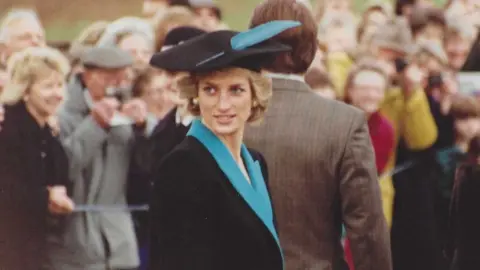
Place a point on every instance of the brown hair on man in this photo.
(302, 39)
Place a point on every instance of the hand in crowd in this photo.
(448, 90)
(104, 110)
(2, 116)
(136, 109)
(412, 79)
(58, 201)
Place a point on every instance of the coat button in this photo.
(43, 155)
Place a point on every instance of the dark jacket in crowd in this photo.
(465, 223)
(473, 59)
(147, 155)
(31, 159)
(206, 216)
(422, 197)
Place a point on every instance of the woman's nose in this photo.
(224, 101)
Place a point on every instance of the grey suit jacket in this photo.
(322, 174)
(99, 161)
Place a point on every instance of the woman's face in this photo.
(168, 82)
(225, 101)
(467, 128)
(375, 18)
(155, 94)
(367, 91)
(46, 94)
(339, 6)
(457, 49)
(340, 39)
(207, 18)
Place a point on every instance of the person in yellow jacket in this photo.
(405, 105)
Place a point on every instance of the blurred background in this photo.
(64, 19)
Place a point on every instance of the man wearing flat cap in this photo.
(99, 132)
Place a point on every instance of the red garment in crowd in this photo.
(382, 135)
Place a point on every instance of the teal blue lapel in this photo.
(256, 195)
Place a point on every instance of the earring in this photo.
(195, 101)
(255, 103)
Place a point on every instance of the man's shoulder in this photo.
(309, 101)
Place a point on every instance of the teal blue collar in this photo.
(256, 194)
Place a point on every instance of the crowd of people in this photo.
(363, 149)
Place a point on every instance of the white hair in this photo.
(14, 16)
(126, 25)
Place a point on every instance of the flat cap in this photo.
(107, 58)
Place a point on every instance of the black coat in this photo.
(200, 222)
(147, 154)
(31, 159)
(464, 220)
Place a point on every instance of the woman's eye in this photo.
(209, 90)
(237, 90)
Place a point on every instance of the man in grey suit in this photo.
(99, 140)
(320, 160)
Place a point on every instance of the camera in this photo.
(400, 65)
(117, 93)
(434, 81)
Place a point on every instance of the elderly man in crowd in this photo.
(98, 139)
(21, 29)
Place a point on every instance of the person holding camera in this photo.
(406, 106)
(98, 125)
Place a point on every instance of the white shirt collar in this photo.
(294, 77)
(185, 121)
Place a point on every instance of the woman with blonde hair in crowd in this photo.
(33, 165)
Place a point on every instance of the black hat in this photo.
(181, 34)
(251, 50)
(106, 58)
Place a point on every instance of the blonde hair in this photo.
(25, 67)
(260, 85)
